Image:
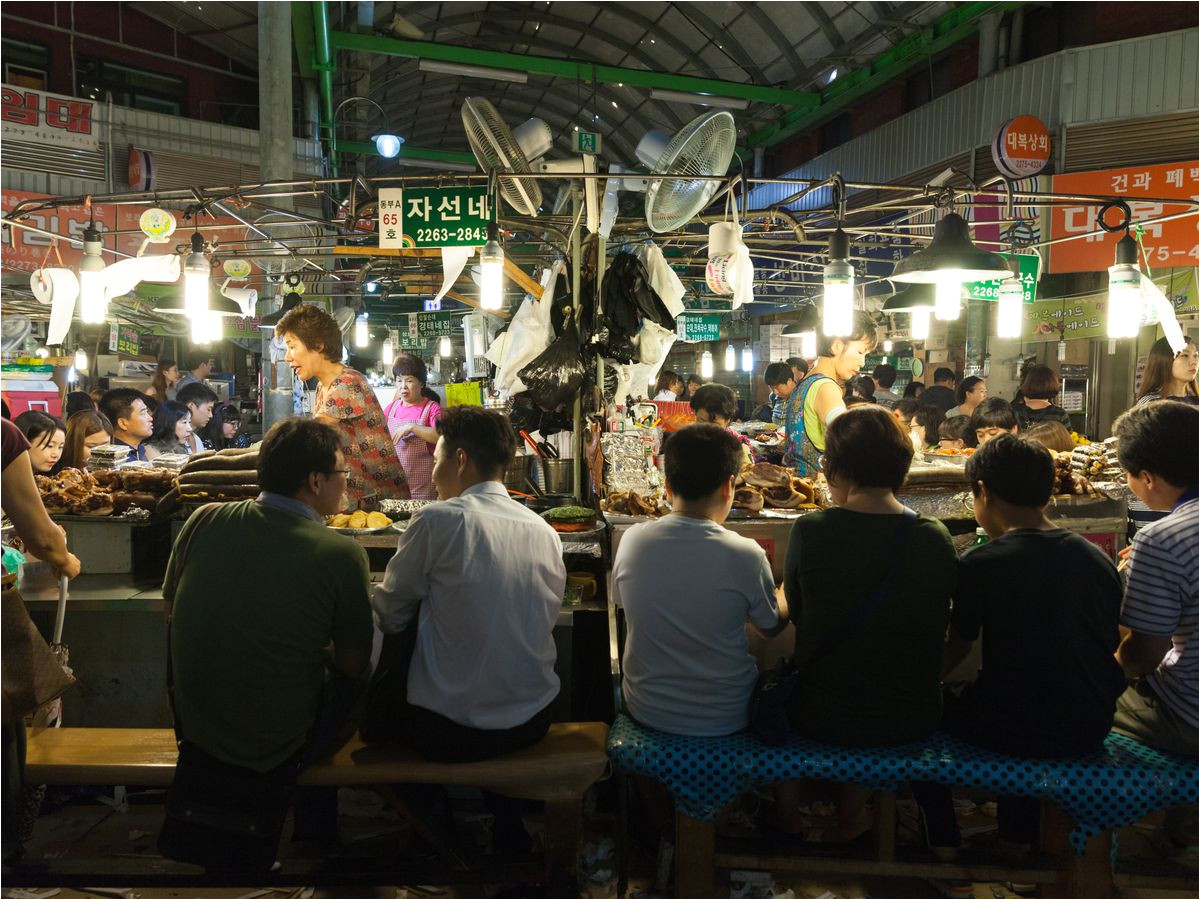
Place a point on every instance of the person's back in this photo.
(1047, 602)
(879, 684)
(688, 587)
(510, 606)
(941, 394)
(248, 644)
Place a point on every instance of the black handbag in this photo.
(769, 700)
(387, 694)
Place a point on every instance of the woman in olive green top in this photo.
(869, 586)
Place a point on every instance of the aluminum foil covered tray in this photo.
(402, 509)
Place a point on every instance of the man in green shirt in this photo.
(271, 615)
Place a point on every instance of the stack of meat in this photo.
(764, 484)
(222, 475)
(1069, 482)
(107, 492)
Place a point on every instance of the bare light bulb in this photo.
(808, 344)
(444, 347)
(947, 300)
(920, 323)
(81, 360)
(389, 355)
(1010, 309)
(706, 365)
(837, 311)
(730, 358)
(93, 305)
(491, 271)
(1124, 301)
(747, 360)
(361, 337)
(887, 346)
(196, 272)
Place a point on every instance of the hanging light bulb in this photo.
(808, 344)
(1124, 292)
(92, 303)
(491, 271)
(747, 359)
(81, 360)
(41, 353)
(730, 358)
(389, 355)
(706, 365)
(948, 300)
(444, 346)
(196, 272)
(72, 375)
(1010, 309)
(887, 346)
(361, 337)
(837, 312)
(1112, 348)
(1062, 351)
(920, 323)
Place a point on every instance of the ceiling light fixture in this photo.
(386, 143)
(93, 304)
(698, 99)
(706, 364)
(1124, 291)
(444, 346)
(515, 76)
(837, 311)
(950, 260)
(1010, 309)
(491, 271)
(730, 358)
(747, 359)
(361, 336)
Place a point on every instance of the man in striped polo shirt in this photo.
(1158, 448)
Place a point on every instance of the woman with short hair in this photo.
(1039, 387)
(172, 430)
(412, 419)
(346, 399)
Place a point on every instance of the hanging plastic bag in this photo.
(663, 280)
(653, 343)
(528, 335)
(554, 378)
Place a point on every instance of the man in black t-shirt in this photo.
(941, 394)
(1047, 602)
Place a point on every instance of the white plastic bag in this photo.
(529, 334)
(663, 280)
(653, 342)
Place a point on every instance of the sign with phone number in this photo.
(1027, 264)
(433, 217)
(423, 327)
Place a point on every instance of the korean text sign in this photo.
(42, 118)
(433, 217)
(1171, 244)
(1028, 264)
(693, 328)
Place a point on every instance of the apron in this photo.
(801, 454)
(416, 458)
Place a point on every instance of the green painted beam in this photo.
(407, 152)
(572, 69)
(959, 23)
(302, 35)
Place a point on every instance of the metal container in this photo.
(560, 475)
(519, 473)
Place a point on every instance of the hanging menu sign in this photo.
(424, 327)
(694, 328)
(123, 339)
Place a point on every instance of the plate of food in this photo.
(573, 521)
(359, 523)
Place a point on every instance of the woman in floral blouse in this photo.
(344, 399)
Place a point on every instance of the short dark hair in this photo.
(1039, 383)
(315, 328)
(913, 389)
(942, 374)
(117, 403)
(863, 386)
(700, 458)
(907, 407)
(777, 374)
(955, 428)
(863, 330)
(39, 427)
(1160, 438)
(968, 385)
(930, 418)
(868, 447)
(197, 393)
(78, 401)
(486, 436)
(413, 366)
(1017, 470)
(166, 417)
(293, 449)
(798, 362)
(716, 400)
(885, 374)
(196, 358)
(994, 412)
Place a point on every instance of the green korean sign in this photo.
(124, 339)
(1028, 271)
(425, 327)
(433, 217)
(693, 328)
(1083, 317)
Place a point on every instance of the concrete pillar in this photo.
(276, 157)
(989, 30)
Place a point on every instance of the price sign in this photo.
(433, 217)
(123, 339)
(694, 328)
(1027, 264)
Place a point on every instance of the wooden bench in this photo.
(557, 770)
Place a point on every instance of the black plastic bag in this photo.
(553, 379)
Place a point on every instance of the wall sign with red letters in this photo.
(42, 118)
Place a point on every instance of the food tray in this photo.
(567, 536)
(402, 509)
(352, 532)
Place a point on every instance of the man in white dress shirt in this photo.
(483, 577)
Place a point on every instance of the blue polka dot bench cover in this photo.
(1113, 787)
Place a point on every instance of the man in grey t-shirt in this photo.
(688, 587)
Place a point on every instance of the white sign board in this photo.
(41, 118)
(391, 218)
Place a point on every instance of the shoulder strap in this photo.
(871, 602)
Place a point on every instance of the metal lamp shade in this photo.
(807, 321)
(290, 301)
(218, 304)
(916, 296)
(950, 256)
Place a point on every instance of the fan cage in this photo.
(497, 150)
(703, 148)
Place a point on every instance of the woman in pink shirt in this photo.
(412, 419)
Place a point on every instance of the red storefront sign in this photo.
(1021, 147)
(1173, 244)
